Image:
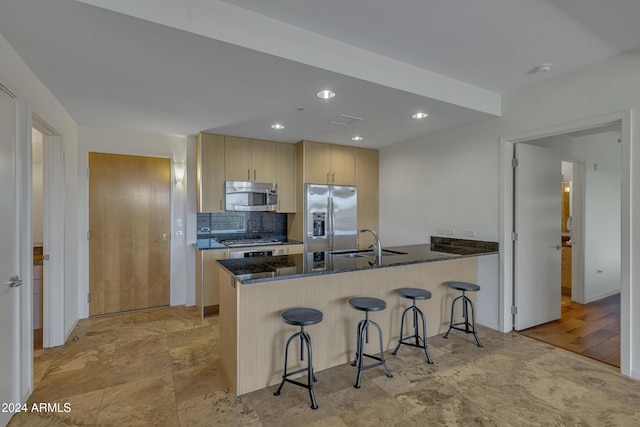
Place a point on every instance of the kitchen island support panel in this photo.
(252, 338)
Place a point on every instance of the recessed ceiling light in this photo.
(325, 94)
(419, 115)
(277, 126)
(357, 138)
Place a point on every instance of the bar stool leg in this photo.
(453, 305)
(311, 378)
(473, 319)
(394, 352)
(359, 333)
(360, 357)
(305, 340)
(416, 335)
(384, 364)
(286, 359)
(424, 339)
(416, 332)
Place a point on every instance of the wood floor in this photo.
(592, 330)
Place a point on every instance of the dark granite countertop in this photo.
(211, 243)
(264, 269)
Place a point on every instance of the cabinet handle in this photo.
(248, 174)
(221, 205)
(254, 174)
(333, 179)
(328, 180)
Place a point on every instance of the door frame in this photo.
(53, 232)
(506, 221)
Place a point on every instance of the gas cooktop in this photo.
(230, 243)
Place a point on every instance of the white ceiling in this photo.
(236, 66)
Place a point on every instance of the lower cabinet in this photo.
(207, 286)
(294, 249)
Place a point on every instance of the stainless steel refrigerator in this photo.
(331, 217)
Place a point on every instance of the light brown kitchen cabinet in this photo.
(294, 249)
(249, 159)
(367, 182)
(328, 163)
(342, 165)
(264, 160)
(237, 159)
(286, 177)
(210, 170)
(207, 281)
(316, 163)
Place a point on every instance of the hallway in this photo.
(592, 330)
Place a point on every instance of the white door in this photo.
(9, 260)
(537, 252)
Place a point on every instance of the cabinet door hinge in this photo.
(514, 310)
(88, 297)
(88, 235)
(514, 163)
(514, 236)
(88, 173)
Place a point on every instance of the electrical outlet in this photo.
(470, 233)
(447, 231)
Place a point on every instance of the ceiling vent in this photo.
(345, 120)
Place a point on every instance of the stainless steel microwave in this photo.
(251, 196)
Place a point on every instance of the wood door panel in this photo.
(129, 212)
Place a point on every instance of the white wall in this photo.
(601, 207)
(37, 186)
(34, 96)
(452, 178)
(137, 144)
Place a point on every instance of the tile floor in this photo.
(161, 367)
(592, 330)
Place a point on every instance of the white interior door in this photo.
(9, 260)
(538, 217)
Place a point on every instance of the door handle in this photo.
(559, 246)
(163, 240)
(13, 282)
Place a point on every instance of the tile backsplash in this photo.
(234, 225)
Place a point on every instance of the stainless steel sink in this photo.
(356, 253)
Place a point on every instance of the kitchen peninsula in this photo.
(254, 292)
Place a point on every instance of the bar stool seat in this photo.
(301, 317)
(465, 325)
(414, 294)
(367, 304)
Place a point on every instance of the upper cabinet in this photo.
(210, 172)
(221, 158)
(328, 163)
(286, 177)
(249, 159)
(367, 181)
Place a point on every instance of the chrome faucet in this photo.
(377, 245)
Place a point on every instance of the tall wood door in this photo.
(129, 224)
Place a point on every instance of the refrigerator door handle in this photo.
(330, 221)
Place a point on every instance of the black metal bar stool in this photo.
(301, 317)
(469, 328)
(367, 304)
(414, 294)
